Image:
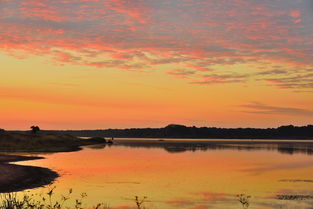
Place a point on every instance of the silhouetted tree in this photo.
(2, 130)
(181, 131)
(35, 129)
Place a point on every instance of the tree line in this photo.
(181, 131)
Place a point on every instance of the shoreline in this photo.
(14, 178)
(12, 147)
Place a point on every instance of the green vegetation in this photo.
(28, 142)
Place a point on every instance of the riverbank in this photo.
(16, 177)
(28, 142)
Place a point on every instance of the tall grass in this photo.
(48, 200)
(140, 202)
(244, 200)
(43, 201)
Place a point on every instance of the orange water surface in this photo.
(183, 178)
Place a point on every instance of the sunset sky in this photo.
(90, 64)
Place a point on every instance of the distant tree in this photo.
(2, 130)
(35, 129)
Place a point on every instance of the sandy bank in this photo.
(17, 177)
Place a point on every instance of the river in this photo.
(187, 174)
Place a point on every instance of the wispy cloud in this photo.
(273, 72)
(210, 79)
(302, 79)
(181, 73)
(260, 108)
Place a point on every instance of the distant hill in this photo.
(181, 131)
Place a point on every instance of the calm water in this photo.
(180, 174)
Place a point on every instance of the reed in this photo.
(48, 200)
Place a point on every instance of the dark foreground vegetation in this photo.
(48, 200)
(180, 131)
(17, 177)
(41, 142)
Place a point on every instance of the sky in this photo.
(93, 64)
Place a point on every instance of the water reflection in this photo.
(177, 146)
(188, 174)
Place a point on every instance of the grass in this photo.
(244, 200)
(140, 202)
(29, 142)
(43, 201)
(48, 200)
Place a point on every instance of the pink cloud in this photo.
(136, 35)
(295, 13)
(40, 9)
(134, 9)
